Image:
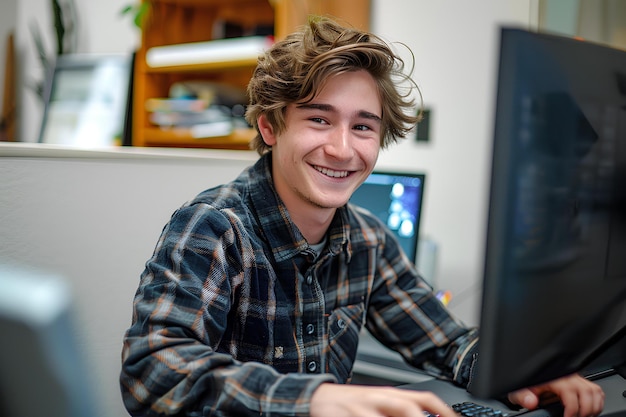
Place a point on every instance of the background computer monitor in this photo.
(396, 199)
(554, 296)
(86, 100)
(43, 370)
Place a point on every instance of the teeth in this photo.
(332, 173)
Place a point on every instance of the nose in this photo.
(340, 144)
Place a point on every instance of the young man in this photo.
(256, 293)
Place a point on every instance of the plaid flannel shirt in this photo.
(236, 315)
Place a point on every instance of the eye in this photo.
(318, 120)
(362, 127)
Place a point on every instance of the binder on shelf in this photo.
(216, 51)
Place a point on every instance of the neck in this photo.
(312, 223)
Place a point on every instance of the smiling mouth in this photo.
(332, 173)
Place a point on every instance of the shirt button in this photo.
(341, 323)
(309, 280)
(312, 366)
(310, 328)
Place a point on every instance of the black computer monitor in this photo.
(396, 199)
(554, 295)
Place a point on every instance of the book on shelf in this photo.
(189, 118)
(176, 104)
(211, 130)
(215, 51)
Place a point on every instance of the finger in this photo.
(524, 398)
(586, 407)
(434, 405)
(599, 401)
(591, 400)
(406, 403)
(571, 404)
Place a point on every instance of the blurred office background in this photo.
(455, 46)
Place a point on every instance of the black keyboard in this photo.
(471, 409)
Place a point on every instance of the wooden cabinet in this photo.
(171, 22)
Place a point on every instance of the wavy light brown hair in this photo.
(294, 70)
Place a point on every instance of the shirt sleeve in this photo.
(170, 365)
(405, 315)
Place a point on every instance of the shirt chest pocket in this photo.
(345, 324)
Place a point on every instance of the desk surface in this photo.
(614, 387)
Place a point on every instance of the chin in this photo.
(330, 204)
(330, 200)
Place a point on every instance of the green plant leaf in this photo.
(139, 12)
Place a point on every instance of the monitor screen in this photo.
(86, 100)
(554, 295)
(396, 199)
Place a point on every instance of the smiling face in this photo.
(330, 144)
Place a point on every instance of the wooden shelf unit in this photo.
(173, 22)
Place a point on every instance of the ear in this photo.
(267, 130)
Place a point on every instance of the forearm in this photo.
(406, 316)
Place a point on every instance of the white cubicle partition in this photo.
(93, 217)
